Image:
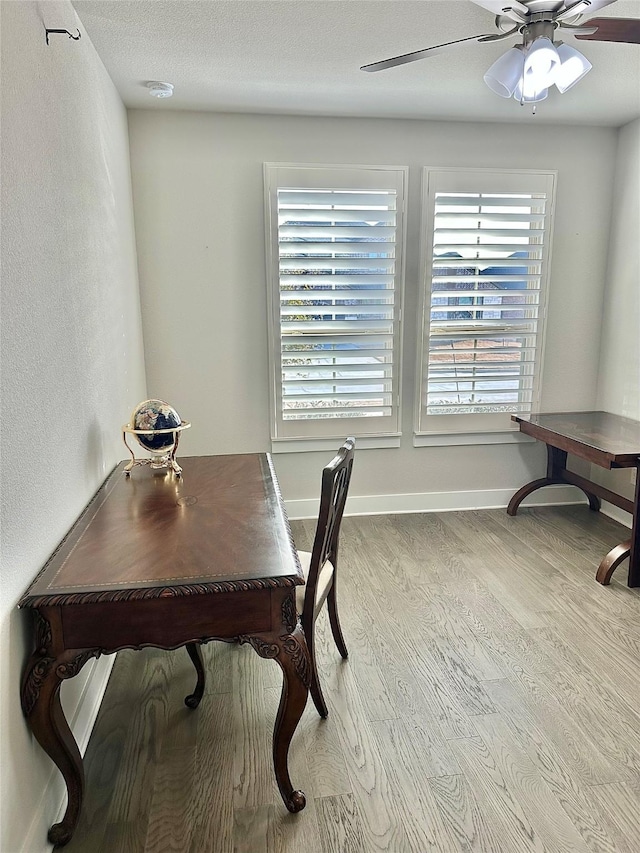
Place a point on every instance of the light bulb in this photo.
(528, 93)
(540, 63)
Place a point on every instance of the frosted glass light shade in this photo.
(573, 66)
(502, 78)
(528, 93)
(540, 62)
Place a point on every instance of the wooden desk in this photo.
(607, 440)
(159, 561)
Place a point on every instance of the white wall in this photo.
(619, 377)
(198, 201)
(72, 359)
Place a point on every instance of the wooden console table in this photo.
(607, 440)
(159, 561)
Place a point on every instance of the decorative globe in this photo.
(155, 414)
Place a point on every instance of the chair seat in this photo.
(324, 579)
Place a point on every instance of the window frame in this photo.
(321, 434)
(473, 428)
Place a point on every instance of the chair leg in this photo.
(334, 620)
(314, 687)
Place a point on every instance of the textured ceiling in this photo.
(302, 57)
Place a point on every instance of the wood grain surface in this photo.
(489, 705)
(219, 527)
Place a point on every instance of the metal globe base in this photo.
(164, 459)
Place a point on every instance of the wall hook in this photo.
(71, 36)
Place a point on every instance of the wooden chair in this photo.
(320, 571)
(320, 566)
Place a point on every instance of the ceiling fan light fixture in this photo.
(529, 69)
(503, 76)
(540, 62)
(573, 66)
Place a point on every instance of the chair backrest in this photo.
(336, 477)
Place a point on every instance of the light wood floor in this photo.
(490, 704)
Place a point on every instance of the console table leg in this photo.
(195, 653)
(634, 545)
(594, 502)
(556, 470)
(41, 705)
(611, 562)
(630, 548)
(525, 491)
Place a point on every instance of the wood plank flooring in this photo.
(489, 705)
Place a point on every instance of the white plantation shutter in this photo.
(488, 240)
(335, 243)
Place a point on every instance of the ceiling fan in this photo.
(537, 62)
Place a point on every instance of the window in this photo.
(334, 265)
(487, 243)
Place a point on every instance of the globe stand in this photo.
(165, 458)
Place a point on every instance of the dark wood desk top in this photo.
(614, 441)
(154, 535)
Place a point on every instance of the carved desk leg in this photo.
(41, 706)
(195, 653)
(291, 653)
(294, 661)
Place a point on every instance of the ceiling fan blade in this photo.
(577, 29)
(508, 8)
(581, 8)
(613, 29)
(404, 58)
(594, 6)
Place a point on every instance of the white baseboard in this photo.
(616, 513)
(87, 710)
(438, 501)
(54, 796)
